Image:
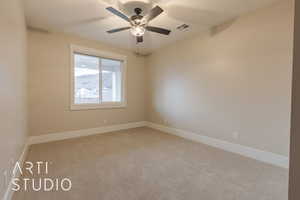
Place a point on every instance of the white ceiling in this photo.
(90, 19)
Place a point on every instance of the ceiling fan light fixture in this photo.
(138, 30)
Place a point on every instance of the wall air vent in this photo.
(183, 27)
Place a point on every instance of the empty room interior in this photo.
(145, 99)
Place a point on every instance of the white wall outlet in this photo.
(235, 135)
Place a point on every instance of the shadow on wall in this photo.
(222, 27)
(205, 18)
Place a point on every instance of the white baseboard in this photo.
(15, 174)
(263, 156)
(81, 133)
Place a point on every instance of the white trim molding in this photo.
(263, 156)
(84, 132)
(15, 174)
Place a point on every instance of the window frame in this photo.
(101, 54)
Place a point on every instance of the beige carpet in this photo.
(145, 164)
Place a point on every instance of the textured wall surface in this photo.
(49, 87)
(234, 84)
(13, 90)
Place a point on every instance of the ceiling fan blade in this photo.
(139, 39)
(118, 13)
(154, 13)
(158, 30)
(118, 30)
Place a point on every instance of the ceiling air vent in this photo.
(183, 27)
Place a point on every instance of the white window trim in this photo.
(102, 54)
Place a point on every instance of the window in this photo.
(98, 79)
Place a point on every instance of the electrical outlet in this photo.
(235, 135)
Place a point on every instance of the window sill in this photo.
(97, 106)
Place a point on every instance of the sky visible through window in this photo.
(93, 73)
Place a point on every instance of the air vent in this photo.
(183, 27)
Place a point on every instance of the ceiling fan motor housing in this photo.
(135, 17)
(138, 11)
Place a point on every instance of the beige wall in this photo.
(49, 87)
(13, 86)
(238, 79)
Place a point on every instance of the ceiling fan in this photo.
(139, 23)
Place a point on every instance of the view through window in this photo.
(97, 80)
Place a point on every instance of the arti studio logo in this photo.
(38, 184)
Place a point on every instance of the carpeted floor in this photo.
(145, 164)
